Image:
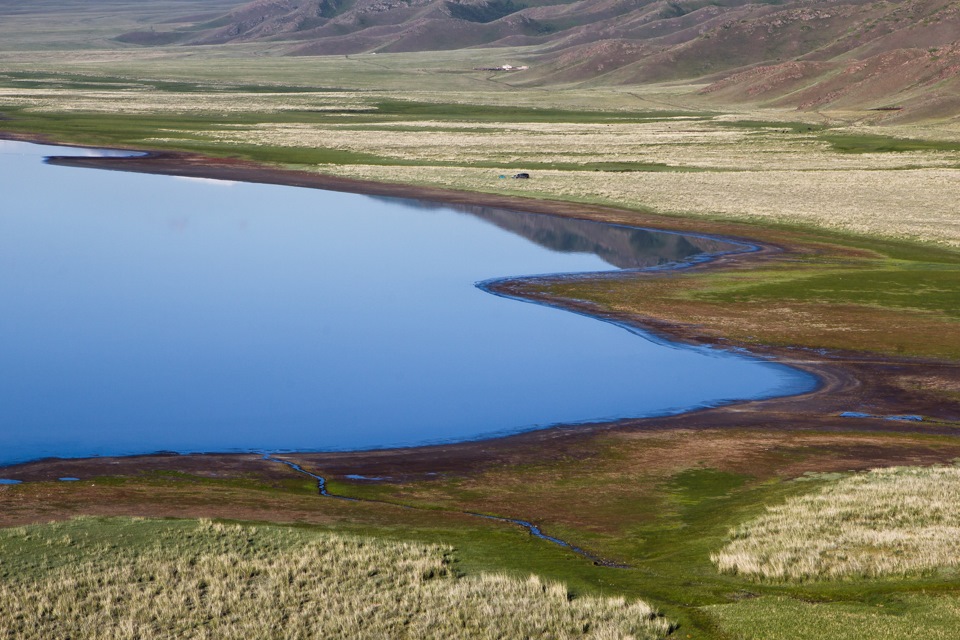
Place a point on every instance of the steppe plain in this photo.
(758, 520)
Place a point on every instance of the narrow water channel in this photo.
(144, 313)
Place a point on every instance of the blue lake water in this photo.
(144, 313)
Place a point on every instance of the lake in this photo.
(144, 313)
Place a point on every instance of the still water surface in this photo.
(144, 313)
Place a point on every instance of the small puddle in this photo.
(902, 418)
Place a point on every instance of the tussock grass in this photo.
(206, 580)
(887, 522)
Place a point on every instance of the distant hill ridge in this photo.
(806, 53)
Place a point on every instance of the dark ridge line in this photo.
(531, 528)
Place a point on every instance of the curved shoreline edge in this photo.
(842, 379)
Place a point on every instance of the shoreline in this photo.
(193, 165)
(845, 381)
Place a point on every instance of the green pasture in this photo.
(665, 535)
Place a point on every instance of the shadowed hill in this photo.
(804, 53)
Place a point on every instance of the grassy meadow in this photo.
(936, 617)
(894, 521)
(631, 154)
(866, 214)
(863, 296)
(660, 502)
(103, 578)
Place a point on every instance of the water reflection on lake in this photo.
(146, 313)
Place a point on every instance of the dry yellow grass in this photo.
(135, 99)
(676, 141)
(895, 521)
(910, 204)
(216, 581)
(768, 174)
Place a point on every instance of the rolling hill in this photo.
(804, 53)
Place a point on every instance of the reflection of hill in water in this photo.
(623, 247)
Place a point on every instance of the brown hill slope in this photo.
(807, 53)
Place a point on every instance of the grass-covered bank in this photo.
(121, 578)
(895, 522)
(690, 164)
(888, 522)
(662, 502)
(828, 291)
(398, 118)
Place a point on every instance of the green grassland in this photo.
(934, 616)
(659, 503)
(831, 292)
(663, 504)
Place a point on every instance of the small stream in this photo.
(531, 528)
